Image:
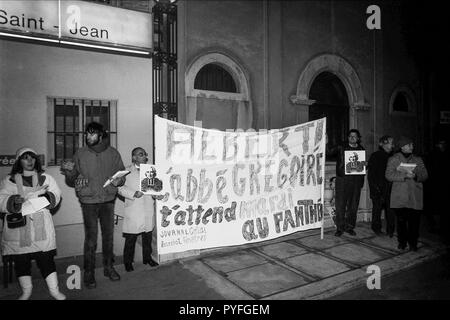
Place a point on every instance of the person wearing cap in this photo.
(380, 188)
(30, 237)
(407, 173)
(348, 187)
(91, 167)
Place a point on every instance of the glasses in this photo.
(141, 154)
(91, 132)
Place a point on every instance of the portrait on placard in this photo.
(150, 179)
(355, 162)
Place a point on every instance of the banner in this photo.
(225, 188)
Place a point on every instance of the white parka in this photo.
(11, 237)
(139, 213)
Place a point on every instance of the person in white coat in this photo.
(30, 237)
(139, 216)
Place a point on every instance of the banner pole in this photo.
(324, 146)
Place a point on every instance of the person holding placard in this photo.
(31, 235)
(407, 173)
(139, 217)
(92, 168)
(348, 184)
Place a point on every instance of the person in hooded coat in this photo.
(30, 237)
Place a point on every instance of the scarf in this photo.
(37, 218)
(406, 155)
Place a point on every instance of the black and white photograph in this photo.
(307, 142)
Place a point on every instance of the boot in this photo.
(111, 273)
(27, 287)
(89, 279)
(52, 283)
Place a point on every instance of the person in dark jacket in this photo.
(91, 167)
(348, 187)
(407, 173)
(436, 189)
(380, 188)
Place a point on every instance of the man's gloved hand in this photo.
(81, 182)
(67, 165)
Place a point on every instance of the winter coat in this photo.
(97, 165)
(378, 184)
(139, 213)
(11, 238)
(406, 193)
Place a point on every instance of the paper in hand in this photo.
(407, 167)
(118, 174)
(34, 205)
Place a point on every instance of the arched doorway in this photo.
(322, 71)
(331, 101)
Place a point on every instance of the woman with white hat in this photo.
(30, 237)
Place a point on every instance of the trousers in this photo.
(379, 203)
(130, 245)
(348, 192)
(92, 213)
(408, 223)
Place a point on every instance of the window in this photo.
(400, 103)
(67, 118)
(214, 78)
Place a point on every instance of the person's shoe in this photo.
(151, 263)
(401, 246)
(378, 232)
(413, 248)
(338, 233)
(89, 280)
(111, 273)
(351, 232)
(129, 267)
(391, 234)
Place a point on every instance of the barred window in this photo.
(67, 119)
(215, 78)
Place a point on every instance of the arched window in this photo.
(213, 77)
(400, 103)
(217, 93)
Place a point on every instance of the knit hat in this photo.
(23, 150)
(403, 141)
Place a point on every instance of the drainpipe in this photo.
(374, 89)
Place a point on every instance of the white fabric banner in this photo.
(225, 188)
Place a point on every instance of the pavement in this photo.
(294, 267)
